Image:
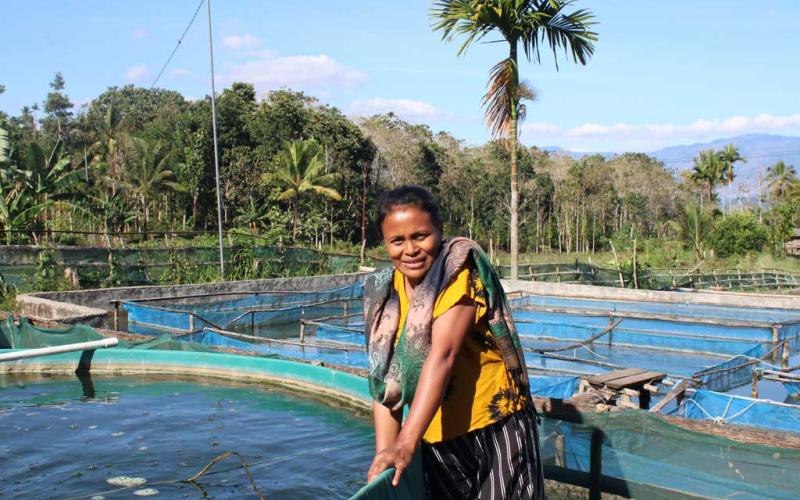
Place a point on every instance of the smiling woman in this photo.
(441, 340)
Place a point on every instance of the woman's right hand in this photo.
(397, 455)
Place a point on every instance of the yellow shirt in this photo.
(480, 391)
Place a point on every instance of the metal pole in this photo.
(216, 151)
(46, 351)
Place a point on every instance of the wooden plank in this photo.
(634, 380)
(674, 393)
(604, 378)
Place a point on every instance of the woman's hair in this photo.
(409, 195)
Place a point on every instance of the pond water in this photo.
(67, 438)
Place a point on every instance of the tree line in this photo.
(295, 171)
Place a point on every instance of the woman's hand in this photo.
(397, 455)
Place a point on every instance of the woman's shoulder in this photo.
(465, 284)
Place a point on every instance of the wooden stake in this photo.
(754, 379)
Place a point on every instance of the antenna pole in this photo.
(216, 150)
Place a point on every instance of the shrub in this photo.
(737, 234)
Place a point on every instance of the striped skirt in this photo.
(500, 461)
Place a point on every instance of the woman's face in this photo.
(411, 240)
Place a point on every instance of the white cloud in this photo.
(268, 71)
(404, 108)
(184, 73)
(623, 136)
(136, 73)
(246, 41)
(140, 33)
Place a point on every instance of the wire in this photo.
(163, 68)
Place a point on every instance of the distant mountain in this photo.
(760, 150)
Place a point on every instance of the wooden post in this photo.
(116, 315)
(785, 355)
(616, 261)
(110, 268)
(635, 277)
(558, 274)
(596, 465)
(253, 323)
(558, 447)
(346, 311)
(754, 380)
(644, 399)
(302, 331)
(775, 339)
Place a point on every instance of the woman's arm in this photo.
(387, 425)
(447, 335)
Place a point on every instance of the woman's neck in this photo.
(409, 286)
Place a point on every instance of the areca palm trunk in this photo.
(295, 218)
(514, 184)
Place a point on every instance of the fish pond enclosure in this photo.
(83, 438)
(642, 393)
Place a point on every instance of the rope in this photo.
(594, 353)
(722, 419)
(177, 45)
(581, 343)
(752, 361)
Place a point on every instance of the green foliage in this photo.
(50, 274)
(738, 233)
(781, 180)
(693, 225)
(8, 295)
(781, 220)
(183, 271)
(300, 173)
(142, 158)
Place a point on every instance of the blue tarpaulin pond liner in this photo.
(739, 410)
(715, 346)
(248, 312)
(353, 356)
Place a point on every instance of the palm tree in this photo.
(728, 156)
(105, 151)
(693, 223)
(149, 172)
(707, 172)
(300, 170)
(530, 24)
(781, 179)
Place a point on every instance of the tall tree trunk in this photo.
(514, 185)
(295, 218)
(363, 213)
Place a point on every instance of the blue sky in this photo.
(663, 73)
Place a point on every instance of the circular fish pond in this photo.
(129, 437)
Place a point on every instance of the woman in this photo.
(441, 339)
